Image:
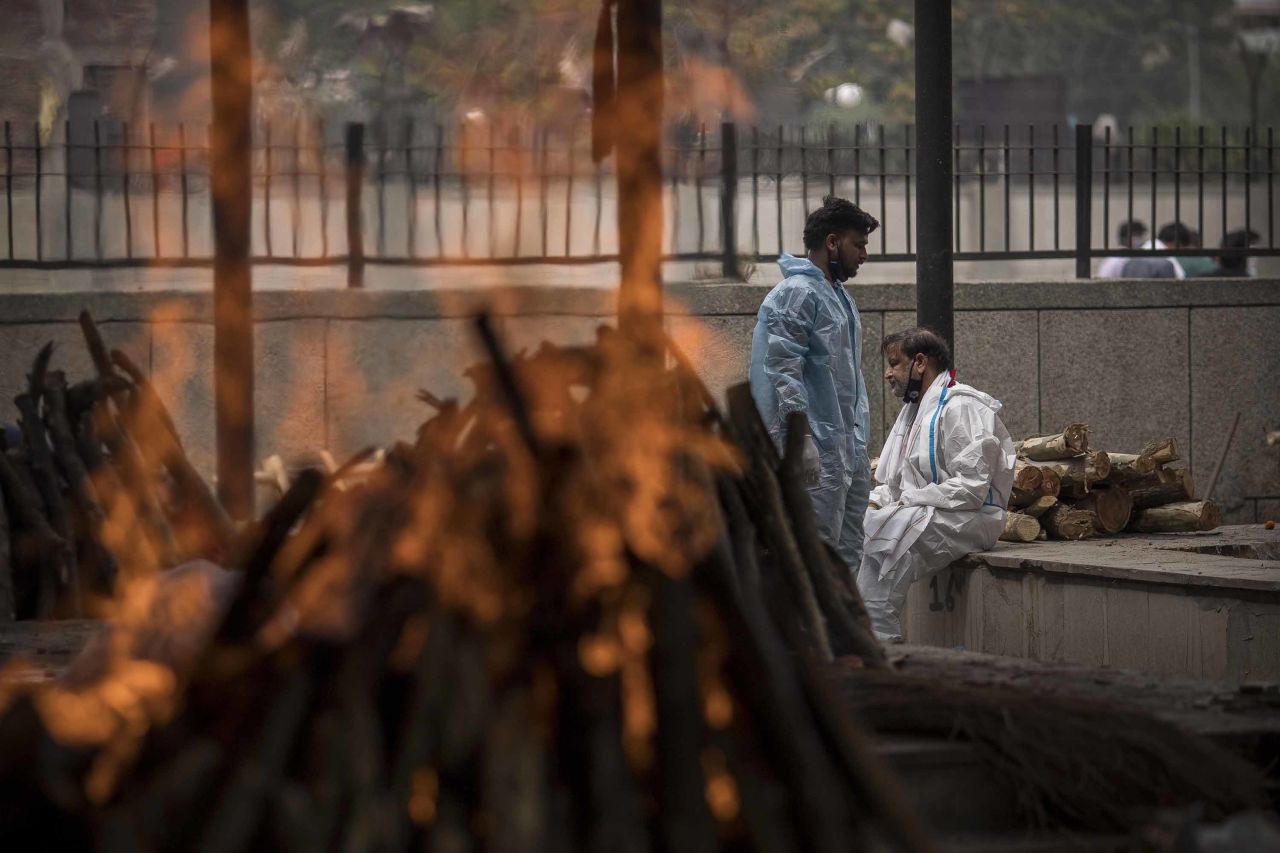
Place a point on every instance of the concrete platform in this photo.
(1203, 604)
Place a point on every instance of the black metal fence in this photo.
(106, 194)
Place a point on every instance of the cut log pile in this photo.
(1065, 489)
(97, 489)
(585, 610)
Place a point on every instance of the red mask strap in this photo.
(952, 383)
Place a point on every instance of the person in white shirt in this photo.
(942, 482)
(1130, 235)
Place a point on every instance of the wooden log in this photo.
(49, 487)
(100, 570)
(1128, 467)
(24, 503)
(844, 610)
(1042, 505)
(1111, 508)
(1020, 528)
(1073, 441)
(1172, 485)
(1163, 450)
(1051, 483)
(153, 421)
(772, 514)
(1027, 480)
(1078, 475)
(1063, 522)
(1177, 518)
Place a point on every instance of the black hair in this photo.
(1131, 228)
(1175, 234)
(1239, 239)
(836, 216)
(920, 339)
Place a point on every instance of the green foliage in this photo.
(1129, 60)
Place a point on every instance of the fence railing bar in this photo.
(1223, 165)
(1177, 178)
(295, 207)
(677, 172)
(599, 191)
(8, 184)
(1057, 142)
(1155, 178)
(1031, 187)
(568, 197)
(1106, 187)
(831, 162)
(542, 187)
(67, 181)
(1200, 180)
(884, 244)
(266, 190)
(755, 189)
(1248, 183)
(1129, 175)
(857, 165)
(411, 197)
(699, 182)
(908, 159)
(153, 158)
(462, 147)
(322, 184)
(982, 187)
(777, 188)
(1271, 200)
(435, 183)
(1008, 180)
(493, 220)
(182, 180)
(804, 172)
(955, 192)
(39, 151)
(124, 185)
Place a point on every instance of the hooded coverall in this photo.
(806, 356)
(943, 482)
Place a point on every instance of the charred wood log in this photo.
(772, 515)
(24, 504)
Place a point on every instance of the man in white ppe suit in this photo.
(943, 480)
(806, 356)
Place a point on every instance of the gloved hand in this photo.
(811, 465)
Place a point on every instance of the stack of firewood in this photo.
(583, 610)
(1065, 489)
(97, 489)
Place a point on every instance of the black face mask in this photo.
(915, 384)
(835, 267)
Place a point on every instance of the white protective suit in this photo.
(941, 487)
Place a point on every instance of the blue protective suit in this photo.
(806, 356)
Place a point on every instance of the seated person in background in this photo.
(1130, 236)
(1236, 265)
(1175, 235)
(1196, 266)
(943, 480)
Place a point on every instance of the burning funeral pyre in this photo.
(584, 610)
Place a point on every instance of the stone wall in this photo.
(339, 369)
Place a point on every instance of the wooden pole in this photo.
(638, 135)
(230, 151)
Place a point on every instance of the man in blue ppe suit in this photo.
(806, 356)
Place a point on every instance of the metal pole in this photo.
(230, 145)
(354, 145)
(1084, 196)
(639, 152)
(729, 200)
(935, 296)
